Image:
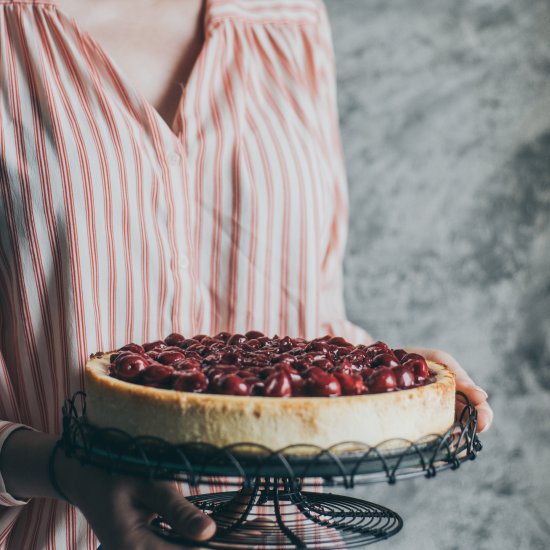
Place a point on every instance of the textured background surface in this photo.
(445, 114)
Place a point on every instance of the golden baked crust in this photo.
(180, 417)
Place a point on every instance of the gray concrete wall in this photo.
(445, 116)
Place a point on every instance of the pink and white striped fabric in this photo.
(115, 227)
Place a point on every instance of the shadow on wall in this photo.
(510, 261)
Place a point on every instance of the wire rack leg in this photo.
(294, 539)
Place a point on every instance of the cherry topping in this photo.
(233, 384)
(130, 367)
(157, 374)
(351, 384)
(324, 364)
(321, 384)
(253, 334)
(339, 341)
(236, 340)
(278, 385)
(384, 360)
(188, 364)
(404, 376)
(285, 344)
(191, 381)
(382, 380)
(317, 345)
(157, 344)
(167, 357)
(135, 348)
(174, 339)
(400, 353)
(418, 365)
(255, 364)
(231, 357)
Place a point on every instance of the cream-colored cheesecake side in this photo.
(221, 420)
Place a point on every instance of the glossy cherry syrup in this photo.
(259, 365)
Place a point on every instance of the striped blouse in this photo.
(116, 227)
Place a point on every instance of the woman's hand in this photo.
(464, 383)
(120, 508)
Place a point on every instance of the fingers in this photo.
(464, 383)
(185, 518)
(484, 417)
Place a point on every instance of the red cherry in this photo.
(253, 334)
(157, 374)
(382, 380)
(345, 367)
(226, 369)
(340, 351)
(134, 348)
(285, 344)
(256, 387)
(400, 353)
(197, 348)
(167, 357)
(404, 376)
(187, 343)
(366, 373)
(418, 365)
(191, 381)
(130, 367)
(233, 384)
(357, 359)
(266, 372)
(318, 346)
(188, 365)
(251, 345)
(339, 341)
(209, 342)
(380, 345)
(319, 383)
(278, 385)
(199, 337)
(372, 351)
(223, 336)
(351, 384)
(324, 364)
(174, 339)
(263, 340)
(236, 340)
(231, 357)
(384, 360)
(114, 356)
(284, 358)
(157, 344)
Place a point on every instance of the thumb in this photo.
(185, 518)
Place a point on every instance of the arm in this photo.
(118, 508)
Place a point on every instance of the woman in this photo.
(195, 186)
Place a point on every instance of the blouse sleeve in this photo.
(333, 318)
(7, 427)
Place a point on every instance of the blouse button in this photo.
(184, 262)
(173, 158)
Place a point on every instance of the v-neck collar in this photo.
(207, 21)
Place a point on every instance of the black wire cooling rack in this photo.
(271, 508)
